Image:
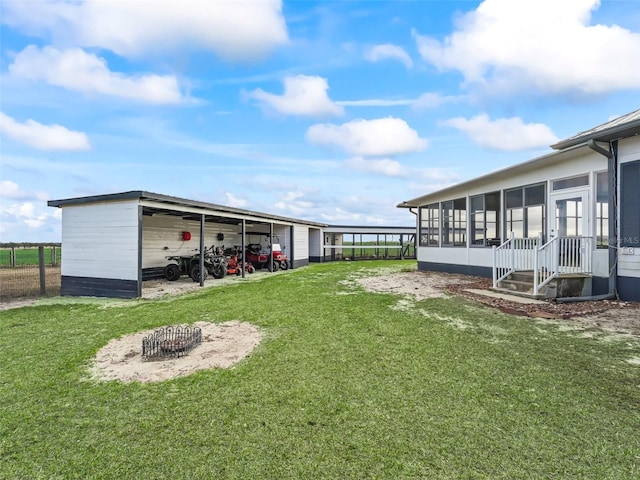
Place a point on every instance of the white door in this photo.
(570, 219)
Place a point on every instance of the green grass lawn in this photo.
(345, 384)
(28, 256)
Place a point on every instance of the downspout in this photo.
(612, 170)
(416, 236)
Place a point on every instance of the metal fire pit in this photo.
(170, 342)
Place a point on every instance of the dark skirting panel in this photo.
(299, 263)
(459, 269)
(98, 287)
(152, 273)
(629, 289)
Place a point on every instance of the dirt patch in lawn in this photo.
(223, 345)
(609, 315)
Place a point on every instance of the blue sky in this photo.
(331, 111)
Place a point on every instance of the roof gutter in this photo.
(597, 148)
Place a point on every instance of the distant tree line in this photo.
(29, 244)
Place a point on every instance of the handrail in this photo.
(546, 264)
(562, 255)
(500, 270)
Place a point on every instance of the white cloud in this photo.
(293, 202)
(43, 137)
(378, 137)
(549, 45)
(388, 51)
(506, 134)
(339, 215)
(74, 69)
(9, 189)
(24, 213)
(384, 166)
(303, 95)
(12, 190)
(375, 102)
(234, 30)
(234, 201)
(431, 100)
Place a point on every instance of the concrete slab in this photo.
(505, 296)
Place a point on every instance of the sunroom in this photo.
(566, 224)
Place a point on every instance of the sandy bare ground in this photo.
(606, 315)
(223, 345)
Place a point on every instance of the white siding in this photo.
(100, 240)
(301, 242)
(162, 237)
(315, 242)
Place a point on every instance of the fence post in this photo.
(12, 257)
(41, 267)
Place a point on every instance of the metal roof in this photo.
(174, 203)
(621, 127)
(548, 159)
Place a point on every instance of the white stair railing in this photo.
(503, 260)
(562, 255)
(516, 254)
(546, 264)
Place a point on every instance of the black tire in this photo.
(195, 273)
(219, 271)
(172, 272)
(274, 268)
(284, 265)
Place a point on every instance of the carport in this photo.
(112, 243)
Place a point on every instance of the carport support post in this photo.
(202, 219)
(243, 246)
(270, 247)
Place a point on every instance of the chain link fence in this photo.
(29, 271)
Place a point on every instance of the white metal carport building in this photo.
(111, 243)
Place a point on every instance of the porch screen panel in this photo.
(484, 218)
(429, 225)
(434, 224)
(526, 210)
(424, 226)
(602, 210)
(476, 211)
(447, 223)
(454, 222)
(630, 204)
(460, 222)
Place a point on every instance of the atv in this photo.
(214, 263)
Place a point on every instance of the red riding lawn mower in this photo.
(234, 265)
(260, 258)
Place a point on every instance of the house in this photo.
(566, 224)
(112, 243)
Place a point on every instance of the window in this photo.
(429, 225)
(602, 210)
(630, 204)
(485, 219)
(454, 222)
(572, 182)
(525, 208)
